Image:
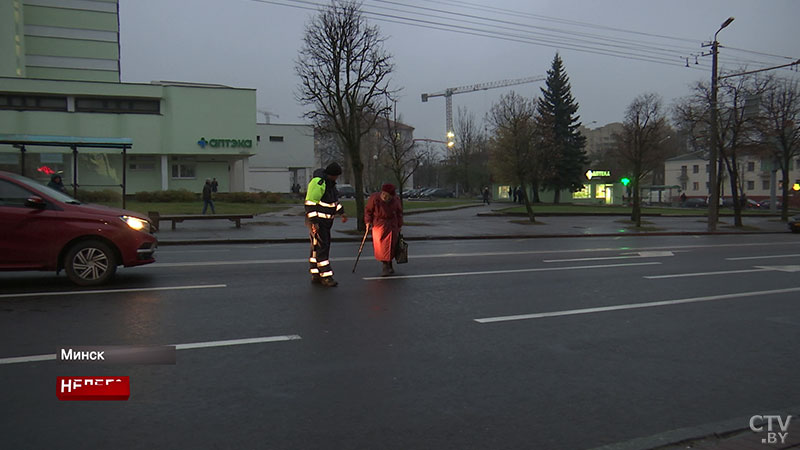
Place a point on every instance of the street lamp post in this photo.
(712, 176)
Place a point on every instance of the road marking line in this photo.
(635, 255)
(703, 274)
(27, 359)
(475, 254)
(789, 269)
(289, 337)
(743, 258)
(192, 346)
(573, 312)
(234, 263)
(113, 291)
(495, 272)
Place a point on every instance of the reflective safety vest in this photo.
(322, 202)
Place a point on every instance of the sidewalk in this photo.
(472, 222)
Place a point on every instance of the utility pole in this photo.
(715, 139)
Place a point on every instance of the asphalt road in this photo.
(523, 344)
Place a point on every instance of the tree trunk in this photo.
(535, 190)
(358, 185)
(785, 193)
(528, 207)
(737, 207)
(636, 209)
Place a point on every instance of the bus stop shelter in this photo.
(75, 143)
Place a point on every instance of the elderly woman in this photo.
(384, 213)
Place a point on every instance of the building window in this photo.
(695, 185)
(695, 169)
(141, 163)
(26, 102)
(708, 186)
(751, 185)
(183, 170)
(276, 138)
(765, 184)
(117, 105)
(586, 192)
(683, 185)
(707, 169)
(683, 171)
(751, 166)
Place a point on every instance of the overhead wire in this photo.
(470, 24)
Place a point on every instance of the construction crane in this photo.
(267, 115)
(449, 92)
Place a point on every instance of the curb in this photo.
(684, 436)
(222, 241)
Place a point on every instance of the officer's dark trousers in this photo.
(320, 250)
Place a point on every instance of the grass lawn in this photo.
(197, 207)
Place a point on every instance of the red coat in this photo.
(386, 219)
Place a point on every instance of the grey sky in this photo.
(247, 43)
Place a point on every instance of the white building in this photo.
(690, 172)
(284, 157)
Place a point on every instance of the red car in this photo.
(43, 229)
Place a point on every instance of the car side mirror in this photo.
(36, 203)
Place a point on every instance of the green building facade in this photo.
(59, 76)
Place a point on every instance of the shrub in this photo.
(180, 195)
(248, 197)
(104, 196)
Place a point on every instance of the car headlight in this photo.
(136, 223)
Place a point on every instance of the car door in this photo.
(25, 232)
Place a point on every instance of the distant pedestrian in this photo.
(384, 213)
(207, 199)
(518, 195)
(516, 191)
(683, 197)
(486, 195)
(57, 184)
(214, 185)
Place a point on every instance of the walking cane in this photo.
(360, 249)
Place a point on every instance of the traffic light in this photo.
(625, 181)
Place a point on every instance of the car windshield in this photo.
(60, 196)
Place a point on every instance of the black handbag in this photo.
(401, 251)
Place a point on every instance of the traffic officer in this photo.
(322, 205)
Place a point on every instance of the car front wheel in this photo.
(90, 263)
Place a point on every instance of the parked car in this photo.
(727, 202)
(765, 204)
(794, 224)
(695, 202)
(438, 193)
(345, 191)
(44, 229)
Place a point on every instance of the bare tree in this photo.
(511, 147)
(734, 127)
(638, 146)
(469, 143)
(403, 157)
(344, 75)
(778, 128)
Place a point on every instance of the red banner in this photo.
(93, 388)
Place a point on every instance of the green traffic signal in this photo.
(625, 181)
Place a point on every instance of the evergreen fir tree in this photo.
(558, 109)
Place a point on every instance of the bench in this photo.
(155, 218)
